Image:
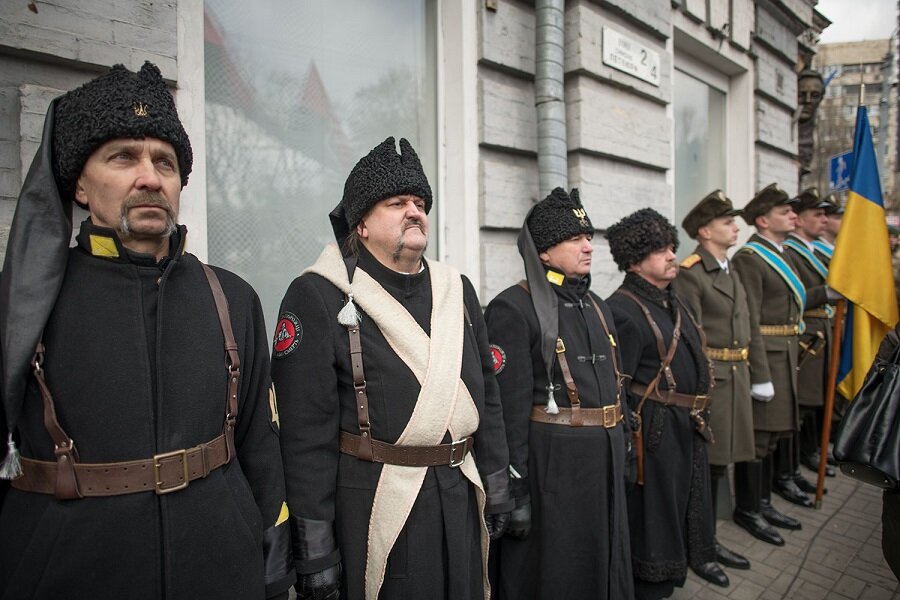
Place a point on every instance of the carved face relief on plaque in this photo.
(810, 89)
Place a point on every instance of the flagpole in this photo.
(829, 397)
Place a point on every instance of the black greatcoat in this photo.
(438, 552)
(578, 545)
(135, 362)
(667, 515)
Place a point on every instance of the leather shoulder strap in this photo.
(612, 345)
(665, 355)
(232, 359)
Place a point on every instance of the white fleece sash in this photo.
(444, 403)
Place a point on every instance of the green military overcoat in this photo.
(813, 367)
(720, 301)
(771, 302)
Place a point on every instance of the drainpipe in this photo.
(549, 95)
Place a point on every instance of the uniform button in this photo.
(735, 342)
(734, 367)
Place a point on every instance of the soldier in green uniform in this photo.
(816, 339)
(776, 299)
(715, 290)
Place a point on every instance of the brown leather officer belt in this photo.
(606, 416)
(410, 456)
(816, 313)
(670, 398)
(729, 354)
(779, 330)
(164, 473)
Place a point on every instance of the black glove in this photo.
(520, 520)
(282, 596)
(496, 524)
(322, 585)
(498, 502)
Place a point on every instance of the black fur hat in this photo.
(117, 104)
(383, 173)
(635, 237)
(558, 217)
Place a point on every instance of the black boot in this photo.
(723, 555)
(712, 573)
(783, 483)
(803, 484)
(765, 501)
(811, 462)
(747, 479)
(809, 444)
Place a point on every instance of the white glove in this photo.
(833, 294)
(762, 391)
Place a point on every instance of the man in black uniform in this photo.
(386, 382)
(568, 536)
(150, 464)
(669, 375)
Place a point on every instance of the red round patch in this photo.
(499, 357)
(288, 334)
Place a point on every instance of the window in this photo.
(296, 93)
(700, 151)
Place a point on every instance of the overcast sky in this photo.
(855, 20)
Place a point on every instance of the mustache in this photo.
(147, 198)
(413, 223)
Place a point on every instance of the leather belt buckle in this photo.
(158, 460)
(461, 445)
(699, 403)
(609, 415)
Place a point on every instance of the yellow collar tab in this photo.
(102, 245)
(555, 278)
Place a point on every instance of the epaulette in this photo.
(690, 261)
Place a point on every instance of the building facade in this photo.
(847, 68)
(660, 102)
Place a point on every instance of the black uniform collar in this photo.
(401, 282)
(104, 242)
(637, 284)
(569, 288)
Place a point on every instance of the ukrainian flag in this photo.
(861, 267)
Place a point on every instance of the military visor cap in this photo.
(809, 199)
(765, 200)
(834, 207)
(713, 206)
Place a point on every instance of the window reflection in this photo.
(296, 93)
(700, 152)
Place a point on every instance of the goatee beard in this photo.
(146, 199)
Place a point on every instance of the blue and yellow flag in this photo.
(861, 266)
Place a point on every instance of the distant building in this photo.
(845, 67)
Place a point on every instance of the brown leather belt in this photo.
(779, 330)
(453, 454)
(816, 313)
(671, 398)
(606, 416)
(729, 354)
(162, 474)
